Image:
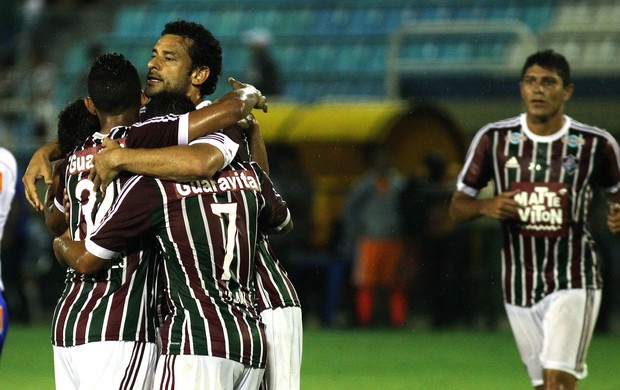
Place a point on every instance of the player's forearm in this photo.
(51, 151)
(258, 150)
(465, 208)
(74, 255)
(54, 218)
(224, 112)
(176, 163)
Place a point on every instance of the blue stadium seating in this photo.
(348, 38)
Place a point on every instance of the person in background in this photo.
(373, 223)
(543, 166)
(262, 71)
(440, 245)
(8, 180)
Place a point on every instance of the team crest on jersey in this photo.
(515, 138)
(544, 208)
(570, 164)
(573, 140)
(226, 181)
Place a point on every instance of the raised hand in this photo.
(38, 168)
(250, 93)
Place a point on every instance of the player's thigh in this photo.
(568, 327)
(284, 333)
(187, 372)
(527, 329)
(105, 365)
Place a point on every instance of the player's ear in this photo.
(200, 75)
(90, 105)
(568, 91)
(143, 99)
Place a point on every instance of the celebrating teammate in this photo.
(207, 231)
(543, 165)
(192, 73)
(111, 314)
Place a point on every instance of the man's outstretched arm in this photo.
(176, 163)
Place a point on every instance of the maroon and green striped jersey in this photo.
(548, 245)
(116, 303)
(207, 231)
(274, 288)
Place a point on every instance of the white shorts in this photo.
(556, 332)
(187, 372)
(284, 331)
(105, 365)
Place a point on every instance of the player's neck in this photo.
(545, 126)
(195, 96)
(108, 122)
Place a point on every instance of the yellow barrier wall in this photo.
(331, 139)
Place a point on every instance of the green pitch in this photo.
(355, 359)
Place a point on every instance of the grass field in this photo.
(363, 360)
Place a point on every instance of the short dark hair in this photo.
(114, 84)
(204, 51)
(166, 102)
(75, 124)
(551, 60)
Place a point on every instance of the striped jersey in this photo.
(548, 246)
(207, 231)
(274, 288)
(116, 303)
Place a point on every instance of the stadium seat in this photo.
(130, 21)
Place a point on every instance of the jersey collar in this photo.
(545, 138)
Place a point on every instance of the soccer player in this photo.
(8, 178)
(543, 165)
(181, 48)
(207, 231)
(75, 123)
(111, 314)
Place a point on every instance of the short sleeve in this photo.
(223, 143)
